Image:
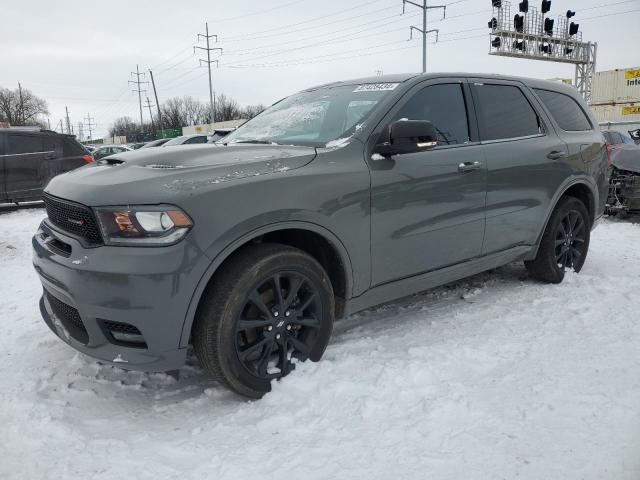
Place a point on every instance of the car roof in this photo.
(416, 77)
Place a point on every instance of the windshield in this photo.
(175, 141)
(314, 118)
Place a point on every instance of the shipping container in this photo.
(616, 86)
(624, 112)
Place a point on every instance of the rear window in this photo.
(71, 148)
(18, 144)
(566, 111)
(505, 113)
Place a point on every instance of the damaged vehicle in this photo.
(333, 200)
(624, 174)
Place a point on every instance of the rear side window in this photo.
(566, 111)
(18, 144)
(443, 105)
(71, 148)
(505, 113)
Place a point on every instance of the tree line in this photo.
(20, 107)
(183, 111)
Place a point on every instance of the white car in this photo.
(186, 140)
(106, 150)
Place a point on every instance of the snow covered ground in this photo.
(497, 377)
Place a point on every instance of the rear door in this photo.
(522, 177)
(25, 166)
(427, 208)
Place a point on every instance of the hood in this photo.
(626, 157)
(162, 175)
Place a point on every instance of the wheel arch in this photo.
(579, 188)
(315, 240)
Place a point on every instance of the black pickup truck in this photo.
(30, 157)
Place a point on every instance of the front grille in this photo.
(73, 218)
(70, 318)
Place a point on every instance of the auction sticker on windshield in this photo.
(376, 87)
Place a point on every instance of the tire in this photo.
(241, 337)
(562, 235)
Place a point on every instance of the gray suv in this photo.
(333, 200)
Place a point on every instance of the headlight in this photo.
(144, 225)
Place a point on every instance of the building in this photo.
(615, 99)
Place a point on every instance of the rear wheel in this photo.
(269, 308)
(565, 242)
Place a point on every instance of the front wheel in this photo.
(270, 307)
(565, 242)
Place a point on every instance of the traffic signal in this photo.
(546, 48)
(493, 23)
(546, 6)
(496, 3)
(568, 51)
(518, 23)
(524, 6)
(573, 28)
(496, 42)
(570, 14)
(548, 26)
(519, 45)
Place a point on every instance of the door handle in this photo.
(556, 155)
(469, 167)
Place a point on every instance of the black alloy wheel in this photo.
(570, 240)
(278, 323)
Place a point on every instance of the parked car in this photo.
(108, 150)
(30, 157)
(219, 133)
(186, 140)
(136, 146)
(90, 148)
(333, 200)
(624, 173)
(156, 143)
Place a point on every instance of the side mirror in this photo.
(409, 136)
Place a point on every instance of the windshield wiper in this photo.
(258, 142)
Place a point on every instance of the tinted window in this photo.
(616, 138)
(71, 148)
(607, 137)
(24, 144)
(505, 113)
(442, 105)
(566, 111)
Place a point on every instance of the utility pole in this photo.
(68, 123)
(149, 106)
(90, 124)
(208, 61)
(80, 132)
(21, 102)
(155, 94)
(424, 30)
(139, 82)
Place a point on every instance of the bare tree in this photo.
(25, 109)
(227, 109)
(123, 126)
(251, 111)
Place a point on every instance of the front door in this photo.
(427, 208)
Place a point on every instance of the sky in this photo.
(80, 54)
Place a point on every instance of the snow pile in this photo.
(494, 377)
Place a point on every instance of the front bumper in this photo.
(146, 288)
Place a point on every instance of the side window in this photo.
(71, 148)
(443, 105)
(24, 144)
(197, 140)
(505, 113)
(566, 111)
(616, 138)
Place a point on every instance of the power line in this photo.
(208, 61)
(139, 82)
(425, 8)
